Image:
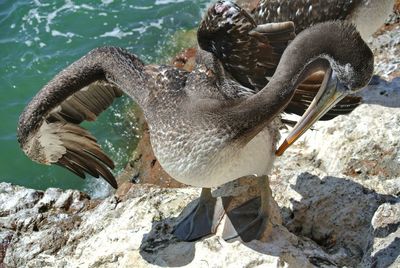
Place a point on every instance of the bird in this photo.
(240, 43)
(205, 128)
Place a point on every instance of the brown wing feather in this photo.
(277, 36)
(261, 54)
(48, 128)
(250, 53)
(86, 104)
(303, 13)
(83, 154)
(63, 142)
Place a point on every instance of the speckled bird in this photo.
(206, 129)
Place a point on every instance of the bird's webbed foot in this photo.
(246, 222)
(203, 219)
(250, 220)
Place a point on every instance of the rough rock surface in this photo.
(337, 193)
(35, 222)
(385, 249)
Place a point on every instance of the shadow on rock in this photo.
(382, 92)
(160, 247)
(336, 213)
(328, 224)
(387, 256)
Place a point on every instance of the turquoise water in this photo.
(40, 38)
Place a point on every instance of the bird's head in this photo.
(351, 64)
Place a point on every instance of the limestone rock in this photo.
(335, 212)
(137, 232)
(384, 251)
(331, 222)
(35, 222)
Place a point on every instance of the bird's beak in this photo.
(330, 93)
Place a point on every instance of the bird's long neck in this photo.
(335, 43)
(108, 63)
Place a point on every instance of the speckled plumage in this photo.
(203, 131)
(303, 13)
(367, 15)
(227, 36)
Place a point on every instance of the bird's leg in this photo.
(250, 220)
(203, 219)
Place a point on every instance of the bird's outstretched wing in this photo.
(250, 53)
(80, 151)
(49, 130)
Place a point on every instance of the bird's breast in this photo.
(210, 158)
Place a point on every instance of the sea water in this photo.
(39, 38)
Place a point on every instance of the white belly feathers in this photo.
(211, 167)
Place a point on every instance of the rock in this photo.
(137, 232)
(363, 145)
(382, 92)
(334, 212)
(35, 222)
(50, 196)
(386, 47)
(384, 251)
(5, 239)
(331, 222)
(15, 198)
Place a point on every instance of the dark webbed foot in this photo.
(246, 222)
(250, 220)
(203, 219)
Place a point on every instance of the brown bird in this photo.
(205, 128)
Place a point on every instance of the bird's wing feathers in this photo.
(250, 53)
(254, 61)
(277, 36)
(87, 103)
(303, 13)
(61, 140)
(49, 130)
